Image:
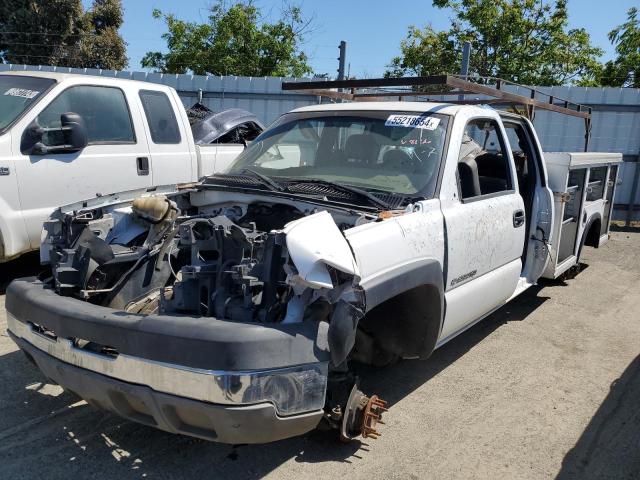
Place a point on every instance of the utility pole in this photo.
(464, 68)
(466, 54)
(342, 59)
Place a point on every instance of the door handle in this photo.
(518, 218)
(142, 163)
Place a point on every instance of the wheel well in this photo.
(407, 324)
(592, 237)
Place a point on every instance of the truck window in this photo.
(104, 110)
(17, 94)
(160, 117)
(397, 152)
(595, 189)
(483, 163)
(520, 150)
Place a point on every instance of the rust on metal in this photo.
(489, 86)
(380, 89)
(372, 416)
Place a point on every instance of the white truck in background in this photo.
(66, 138)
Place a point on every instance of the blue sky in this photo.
(372, 28)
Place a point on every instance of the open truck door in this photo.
(534, 189)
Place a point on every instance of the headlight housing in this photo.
(292, 390)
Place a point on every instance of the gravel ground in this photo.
(547, 387)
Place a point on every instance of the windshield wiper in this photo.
(346, 188)
(269, 182)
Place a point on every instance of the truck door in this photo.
(12, 230)
(538, 197)
(109, 163)
(169, 142)
(485, 227)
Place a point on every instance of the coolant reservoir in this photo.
(151, 209)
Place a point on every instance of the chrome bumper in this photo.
(292, 390)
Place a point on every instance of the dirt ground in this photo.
(547, 387)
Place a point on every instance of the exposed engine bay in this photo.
(242, 261)
(229, 261)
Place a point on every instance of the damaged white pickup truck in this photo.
(233, 309)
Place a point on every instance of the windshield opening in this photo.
(17, 94)
(389, 151)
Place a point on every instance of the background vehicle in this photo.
(65, 138)
(233, 309)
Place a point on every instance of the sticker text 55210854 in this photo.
(413, 121)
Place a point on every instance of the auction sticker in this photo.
(413, 121)
(22, 92)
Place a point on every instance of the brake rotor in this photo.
(362, 415)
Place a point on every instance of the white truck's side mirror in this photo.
(73, 136)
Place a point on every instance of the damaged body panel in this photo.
(228, 126)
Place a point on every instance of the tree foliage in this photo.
(624, 71)
(236, 40)
(104, 47)
(62, 33)
(525, 41)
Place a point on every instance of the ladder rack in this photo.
(377, 89)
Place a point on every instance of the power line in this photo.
(20, 55)
(38, 44)
(6, 32)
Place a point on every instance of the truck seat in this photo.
(397, 159)
(361, 148)
(469, 178)
(493, 173)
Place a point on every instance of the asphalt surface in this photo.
(547, 387)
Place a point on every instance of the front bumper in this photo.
(221, 423)
(192, 395)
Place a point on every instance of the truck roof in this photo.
(61, 77)
(418, 107)
(31, 73)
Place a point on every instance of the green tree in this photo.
(33, 32)
(425, 52)
(103, 47)
(62, 33)
(525, 41)
(624, 71)
(235, 41)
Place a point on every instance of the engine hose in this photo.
(165, 247)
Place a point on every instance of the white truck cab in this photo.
(66, 137)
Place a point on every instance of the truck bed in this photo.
(583, 186)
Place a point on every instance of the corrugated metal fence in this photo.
(616, 112)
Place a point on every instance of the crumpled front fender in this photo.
(315, 242)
